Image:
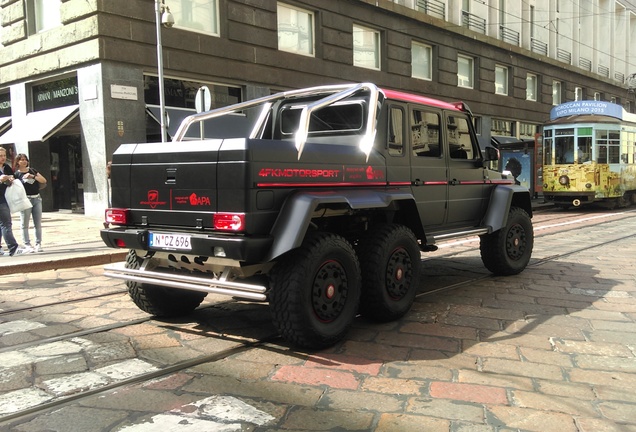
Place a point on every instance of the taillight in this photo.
(229, 221)
(116, 216)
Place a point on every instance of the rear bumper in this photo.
(239, 248)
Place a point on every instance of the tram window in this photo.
(547, 151)
(564, 146)
(614, 146)
(608, 142)
(584, 150)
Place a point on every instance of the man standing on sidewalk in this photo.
(6, 178)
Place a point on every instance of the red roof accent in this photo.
(409, 97)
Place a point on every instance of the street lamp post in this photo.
(162, 17)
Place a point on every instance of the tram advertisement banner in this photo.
(520, 165)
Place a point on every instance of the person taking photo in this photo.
(33, 182)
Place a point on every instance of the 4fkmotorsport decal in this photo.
(152, 199)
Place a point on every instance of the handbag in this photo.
(17, 198)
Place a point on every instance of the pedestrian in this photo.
(33, 182)
(6, 179)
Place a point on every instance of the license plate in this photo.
(169, 241)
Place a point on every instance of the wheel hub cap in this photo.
(329, 291)
(515, 242)
(398, 267)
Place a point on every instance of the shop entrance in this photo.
(67, 178)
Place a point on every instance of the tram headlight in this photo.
(588, 185)
(564, 180)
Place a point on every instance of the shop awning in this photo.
(41, 125)
(5, 123)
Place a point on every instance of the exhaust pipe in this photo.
(576, 202)
(213, 285)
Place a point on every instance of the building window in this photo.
(366, 47)
(613, 99)
(501, 80)
(597, 96)
(196, 15)
(295, 30)
(531, 87)
(556, 92)
(578, 93)
(465, 71)
(527, 130)
(501, 127)
(43, 15)
(421, 61)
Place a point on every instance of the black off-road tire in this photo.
(315, 291)
(507, 251)
(158, 300)
(390, 261)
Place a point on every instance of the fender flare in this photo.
(501, 199)
(295, 215)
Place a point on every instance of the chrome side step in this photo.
(467, 233)
(213, 285)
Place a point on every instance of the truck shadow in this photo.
(460, 308)
(461, 312)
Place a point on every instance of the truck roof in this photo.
(409, 97)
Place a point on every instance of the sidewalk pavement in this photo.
(68, 240)
(72, 240)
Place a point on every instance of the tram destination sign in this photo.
(588, 107)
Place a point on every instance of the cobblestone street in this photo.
(551, 349)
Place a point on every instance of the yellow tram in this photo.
(588, 155)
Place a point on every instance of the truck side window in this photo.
(460, 144)
(396, 131)
(425, 133)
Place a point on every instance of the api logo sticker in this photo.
(196, 200)
(192, 200)
(361, 173)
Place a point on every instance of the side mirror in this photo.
(491, 154)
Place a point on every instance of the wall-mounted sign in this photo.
(123, 92)
(5, 105)
(586, 107)
(55, 94)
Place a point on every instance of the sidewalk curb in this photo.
(62, 263)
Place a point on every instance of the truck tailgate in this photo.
(167, 184)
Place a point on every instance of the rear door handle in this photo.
(171, 176)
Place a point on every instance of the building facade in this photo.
(80, 77)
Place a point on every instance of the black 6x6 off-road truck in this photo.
(318, 201)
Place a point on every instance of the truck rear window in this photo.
(337, 118)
